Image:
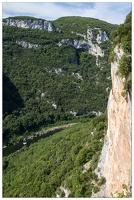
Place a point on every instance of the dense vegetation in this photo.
(36, 79)
(58, 160)
(31, 84)
(123, 37)
(23, 18)
(81, 24)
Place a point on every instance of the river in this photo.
(32, 139)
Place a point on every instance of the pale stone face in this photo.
(115, 161)
(35, 24)
(117, 168)
(86, 44)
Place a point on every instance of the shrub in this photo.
(96, 189)
(102, 181)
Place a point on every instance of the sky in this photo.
(112, 12)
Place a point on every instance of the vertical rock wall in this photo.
(116, 156)
(117, 167)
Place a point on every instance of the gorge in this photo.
(57, 74)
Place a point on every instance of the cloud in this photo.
(111, 12)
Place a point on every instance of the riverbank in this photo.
(51, 130)
(33, 138)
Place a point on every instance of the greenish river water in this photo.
(13, 148)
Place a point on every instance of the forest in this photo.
(57, 160)
(53, 85)
(34, 79)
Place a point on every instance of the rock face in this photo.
(94, 49)
(115, 161)
(102, 36)
(87, 43)
(33, 24)
(28, 44)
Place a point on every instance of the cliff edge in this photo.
(115, 161)
(117, 168)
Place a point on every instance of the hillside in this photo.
(59, 165)
(56, 78)
(53, 73)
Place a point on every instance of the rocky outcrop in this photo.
(32, 24)
(102, 36)
(97, 113)
(115, 161)
(77, 75)
(28, 44)
(94, 49)
(66, 192)
(87, 43)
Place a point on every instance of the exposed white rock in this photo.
(86, 167)
(66, 191)
(58, 70)
(42, 94)
(57, 195)
(109, 78)
(97, 62)
(117, 167)
(92, 133)
(94, 49)
(65, 41)
(73, 113)
(115, 161)
(58, 30)
(49, 26)
(28, 44)
(32, 24)
(55, 106)
(107, 89)
(102, 67)
(90, 35)
(78, 75)
(102, 36)
(84, 36)
(102, 193)
(97, 113)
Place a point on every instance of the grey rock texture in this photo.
(32, 24)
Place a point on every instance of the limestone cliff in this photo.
(28, 44)
(32, 24)
(87, 42)
(115, 160)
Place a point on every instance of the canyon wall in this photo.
(115, 161)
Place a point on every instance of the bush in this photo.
(124, 67)
(100, 126)
(5, 164)
(102, 181)
(96, 189)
